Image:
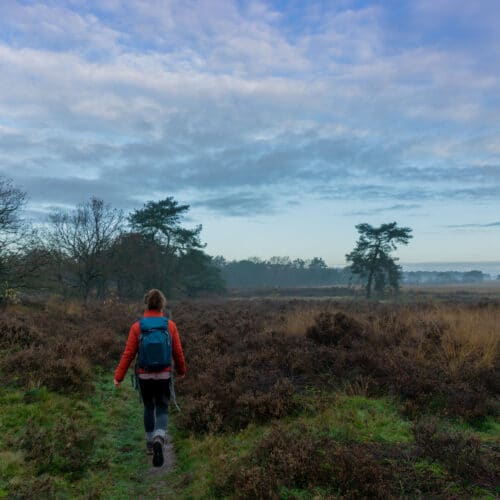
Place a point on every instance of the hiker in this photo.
(156, 341)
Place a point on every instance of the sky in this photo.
(282, 124)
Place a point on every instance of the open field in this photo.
(461, 292)
(283, 399)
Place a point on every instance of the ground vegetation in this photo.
(283, 399)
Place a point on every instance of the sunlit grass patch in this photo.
(367, 420)
(361, 419)
(434, 468)
(488, 429)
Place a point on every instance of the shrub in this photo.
(236, 353)
(459, 451)
(298, 459)
(335, 329)
(42, 366)
(17, 332)
(66, 447)
(27, 488)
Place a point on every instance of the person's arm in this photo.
(177, 354)
(128, 354)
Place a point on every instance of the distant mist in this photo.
(492, 268)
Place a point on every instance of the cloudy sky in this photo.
(282, 123)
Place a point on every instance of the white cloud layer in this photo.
(253, 106)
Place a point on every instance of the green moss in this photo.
(487, 429)
(362, 419)
(433, 468)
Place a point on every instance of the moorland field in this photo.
(284, 398)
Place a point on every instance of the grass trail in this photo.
(127, 469)
(108, 428)
(117, 466)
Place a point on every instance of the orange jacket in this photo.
(132, 347)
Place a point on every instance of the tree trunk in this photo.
(369, 283)
(372, 271)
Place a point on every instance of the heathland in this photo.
(284, 398)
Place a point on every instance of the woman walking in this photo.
(156, 341)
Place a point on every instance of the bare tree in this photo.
(82, 239)
(12, 201)
(17, 239)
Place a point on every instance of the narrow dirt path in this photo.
(160, 487)
(168, 457)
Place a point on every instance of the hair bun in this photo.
(154, 299)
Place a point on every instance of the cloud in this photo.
(378, 210)
(136, 99)
(238, 204)
(486, 225)
(56, 27)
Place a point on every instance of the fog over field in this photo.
(491, 268)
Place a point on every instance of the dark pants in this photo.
(155, 396)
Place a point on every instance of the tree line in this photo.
(95, 250)
(371, 265)
(282, 272)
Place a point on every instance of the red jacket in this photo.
(132, 347)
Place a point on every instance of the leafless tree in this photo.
(17, 239)
(81, 239)
(12, 201)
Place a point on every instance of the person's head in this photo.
(155, 300)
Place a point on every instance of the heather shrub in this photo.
(64, 347)
(35, 367)
(236, 352)
(17, 332)
(28, 488)
(65, 447)
(459, 451)
(297, 459)
(200, 415)
(335, 329)
(264, 406)
(234, 406)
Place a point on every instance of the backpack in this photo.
(155, 344)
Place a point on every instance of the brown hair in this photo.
(154, 299)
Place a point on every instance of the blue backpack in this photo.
(155, 344)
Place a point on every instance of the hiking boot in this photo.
(158, 451)
(149, 447)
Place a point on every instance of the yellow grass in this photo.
(469, 334)
(296, 322)
(472, 334)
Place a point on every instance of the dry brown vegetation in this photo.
(60, 345)
(444, 359)
(251, 362)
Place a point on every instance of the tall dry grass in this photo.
(464, 334)
(297, 321)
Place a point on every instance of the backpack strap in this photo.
(154, 324)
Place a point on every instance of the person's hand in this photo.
(117, 384)
(180, 377)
